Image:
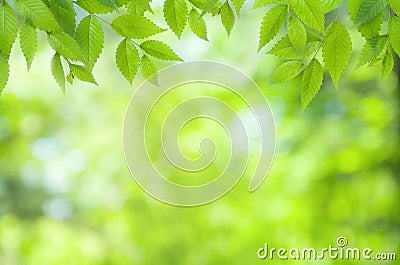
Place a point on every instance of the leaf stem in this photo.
(108, 23)
(100, 18)
(315, 54)
(340, 10)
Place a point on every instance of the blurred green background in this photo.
(66, 195)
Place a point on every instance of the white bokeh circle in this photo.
(241, 135)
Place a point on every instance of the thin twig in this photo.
(315, 54)
(109, 24)
(340, 10)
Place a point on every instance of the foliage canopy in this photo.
(77, 46)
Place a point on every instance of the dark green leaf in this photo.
(369, 9)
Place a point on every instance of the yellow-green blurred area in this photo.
(66, 195)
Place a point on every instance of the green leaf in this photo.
(313, 35)
(387, 65)
(138, 7)
(94, 6)
(65, 45)
(369, 9)
(205, 5)
(372, 28)
(70, 78)
(109, 3)
(64, 17)
(197, 24)
(311, 82)
(311, 12)
(122, 2)
(148, 69)
(311, 48)
(37, 12)
(216, 9)
(395, 5)
(271, 24)
(227, 17)
(336, 50)
(90, 38)
(238, 5)
(58, 71)
(285, 49)
(8, 28)
(82, 73)
(376, 62)
(297, 33)
(329, 5)
(4, 70)
(369, 29)
(159, 50)
(66, 4)
(353, 6)
(394, 33)
(134, 26)
(260, 3)
(372, 49)
(287, 71)
(29, 43)
(127, 58)
(175, 14)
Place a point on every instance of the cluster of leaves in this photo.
(79, 46)
(306, 35)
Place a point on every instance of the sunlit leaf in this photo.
(135, 26)
(287, 71)
(8, 28)
(90, 38)
(29, 43)
(311, 82)
(159, 50)
(336, 49)
(127, 58)
(58, 71)
(271, 24)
